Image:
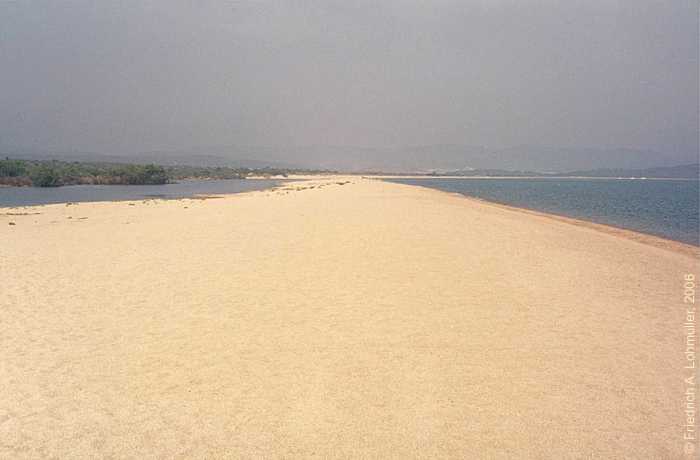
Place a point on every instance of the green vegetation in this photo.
(57, 173)
(44, 176)
(198, 172)
(140, 175)
(12, 168)
(40, 173)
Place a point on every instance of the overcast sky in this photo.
(119, 77)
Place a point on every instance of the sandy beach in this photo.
(342, 317)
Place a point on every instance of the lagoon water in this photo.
(29, 196)
(666, 208)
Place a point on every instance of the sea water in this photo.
(29, 196)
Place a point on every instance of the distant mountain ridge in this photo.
(410, 159)
(689, 171)
(164, 158)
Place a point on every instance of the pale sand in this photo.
(369, 320)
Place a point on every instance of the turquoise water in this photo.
(28, 196)
(666, 208)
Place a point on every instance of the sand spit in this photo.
(339, 317)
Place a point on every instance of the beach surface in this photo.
(341, 317)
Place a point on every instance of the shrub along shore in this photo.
(40, 173)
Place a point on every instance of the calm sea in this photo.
(667, 208)
(28, 196)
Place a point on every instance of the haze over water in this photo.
(394, 85)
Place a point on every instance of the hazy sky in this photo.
(129, 76)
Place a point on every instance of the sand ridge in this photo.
(368, 319)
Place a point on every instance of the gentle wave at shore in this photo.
(666, 208)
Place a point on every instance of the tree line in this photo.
(54, 173)
(57, 173)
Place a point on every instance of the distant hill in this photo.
(539, 159)
(488, 173)
(521, 160)
(561, 159)
(164, 158)
(690, 171)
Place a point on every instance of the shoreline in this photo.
(640, 237)
(414, 176)
(622, 232)
(155, 196)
